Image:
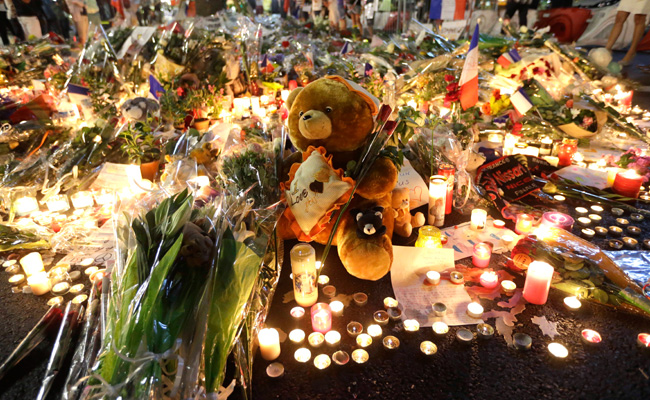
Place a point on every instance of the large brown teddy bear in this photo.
(334, 118)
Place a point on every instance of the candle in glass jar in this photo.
(269, 340)
(58, 203)
(524, 224)
(429, 237)
(538, 282)
(39, 283)
(553, 219)
(489, 279)
(481, 255)
(437, 199)
(628, 184)
(303, 267)
(447, 170)
(321, 317)
(478, 221)
(25, 205)
(32, 263)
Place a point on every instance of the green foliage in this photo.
(139, 144)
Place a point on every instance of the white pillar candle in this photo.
(25, 205)
(479, 218)
(39, 283)
(32, 263)
(269, 340)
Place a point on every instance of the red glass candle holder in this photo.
(321, 317)
(628, 183)
(567, 150)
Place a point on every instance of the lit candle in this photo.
(440, 328)
(364, 340)
(615, 244)
(322, 361)
(582, 211)
(302, 355)
(297, 336)
(588, 233)
(83, 199)
(333, 338)
(555, 219)
(498, 224)
(615, 230)
(58, 203)
(558, 350)
(572, 303)
(9, 263)
(628, 184)
(55, 301)
(630, 243)
(411, 325)
(478, 221)
(595, 218)
(39, 283)
(428, 348)
(297, 312)
(633, 230)
(390, 302)
(90, 270)
(32, 264)
(360, 356)
(646, 244)
(303, 267)
(60, 288)
(79, 299)
(481, 255)
(524, 224)
(538, 282)
(76, 289)
(284, 95)
(447, 171)
(597, 209)
(374, 331)
(433, 278)
(323, 280)
(16, 279)
(429, 237)
(489, 279)
(390, 342)
(437, 198)
(25, 205)
(316, 339)
(475, 310)
(643, 340)
(590, 336)
(321, 317)
(508, 287)
(354, 328)
(584, 221)
(559, 198)
(601, 231)
(337, 308)
(269, 340)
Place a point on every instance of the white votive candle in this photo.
(32, 263)
(39, 283)
(433, 277)
(269, 340)
(297, 336)
(337, 308)
(333, 338)
(474, 310)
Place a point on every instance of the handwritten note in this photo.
(418, 189)
(452, 29)
(408, 277)
(118, 177)
(100, 247)
(461, 238)
(591, 177)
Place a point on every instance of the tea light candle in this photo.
(601, 231)
(302, 355)
(364, 340)
(433, 278)
(597, 209)
(428, 348)
(481, 255)
(87, 262)
(354, 328)
(14, 269)
(97, 275)
(524, 224)
(390, 302)
(508, 287)
(484, 331)
(440, 328)
(464, 335)
(316, 339)
(16, 279)
(79, 299)
(617, 211)
(636, 217)
(394, 313)
(558, 350)
(643, 340)
(475, 310)
(321, 317)
(297, 336)
(634, 230)
(76, 289)
(489, 279)
(439, 309)
(58, 203)
(646, 244)
(322, 361)
(32, 263)
(275, 370)
(390, 342)
(622, 221)
(329, 291)
(588, 233)
(55, 301)
(297, 312)
(25, 205)
(595, 218)
(521, 341)
(381, 317)
(333, 338)
(83, 199)
(269, 340)
(630, 243)
(615, 231)
(323, 280)
(39, 283)
(572, 303)
(582, 211)
(337, 308)
(591, 337)
(628, 183)
(341, 357)
(498, 224)
(375, 331)
(615, 244)
(411, 325)
(554, 219)
(584, 221)
(538, 282)
(360, 356)
(478, 220)
(90, 270)
(456, 277)
(61, 288)
(507, 239)
(9, 263)
(360, 299)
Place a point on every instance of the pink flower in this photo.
(180, 91)
(587, 121)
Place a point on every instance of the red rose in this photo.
(285, 44)
(452, 87)
(569, 103)
(449, 78)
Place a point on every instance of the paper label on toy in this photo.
(415, 295)
(119, 177)
(418, 190)
(452, 29)
(313, 191)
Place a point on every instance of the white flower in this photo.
(574, 112)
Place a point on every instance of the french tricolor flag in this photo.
(508, 58)
(447, 10)
(347, 48)
(521, 102)
(469, 77)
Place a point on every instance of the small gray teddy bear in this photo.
(138, 108)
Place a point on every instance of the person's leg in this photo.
(523, 15)
(639, 30)
(4, 24)
(621, 16)
(511, 8)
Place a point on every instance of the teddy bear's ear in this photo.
(292, 97)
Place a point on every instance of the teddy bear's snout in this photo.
(315, 124)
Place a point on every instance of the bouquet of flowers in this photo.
(635, 159)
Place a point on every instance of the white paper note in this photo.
(462, 239)
(118, 177)
(415, 296)
(418, 190)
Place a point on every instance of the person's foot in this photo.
(627, 60)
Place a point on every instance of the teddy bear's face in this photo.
(327, 113)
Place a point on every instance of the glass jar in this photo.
(429, 237)
(566, 152)
(303, 267)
